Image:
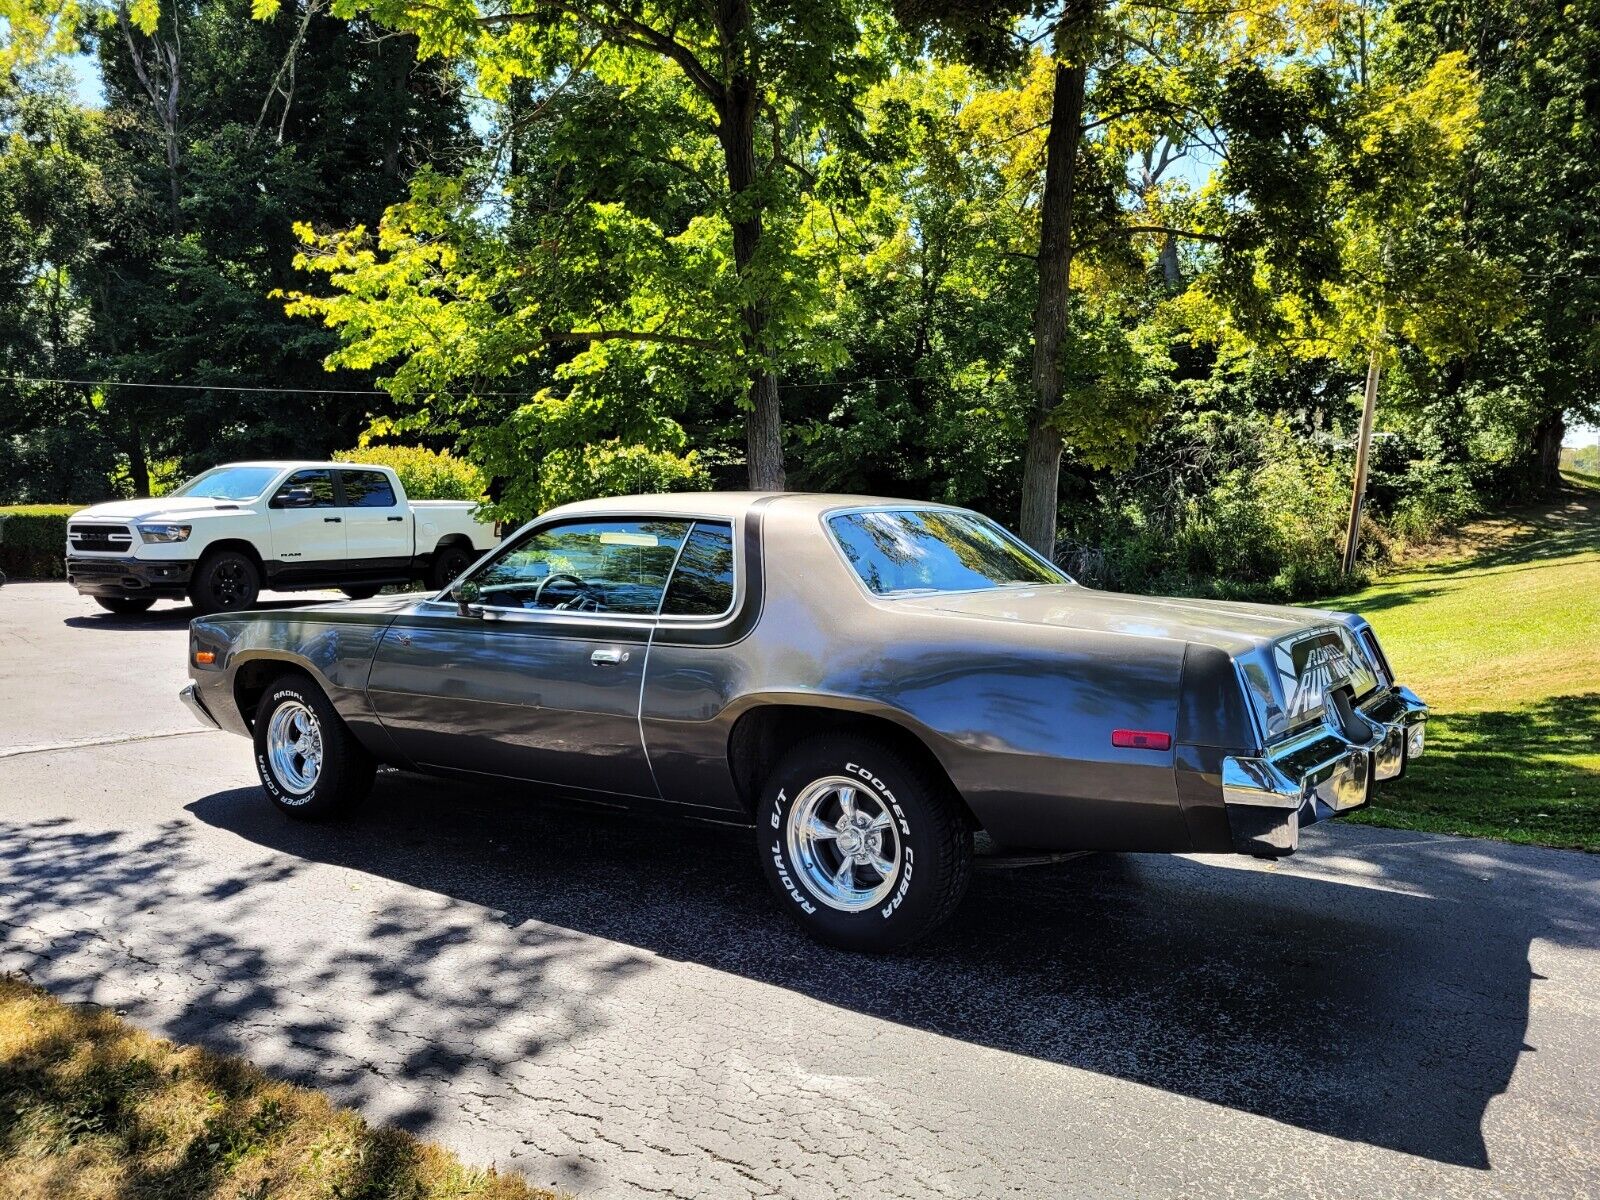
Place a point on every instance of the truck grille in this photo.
(103, 539)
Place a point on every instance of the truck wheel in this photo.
(448, 562)
(865, 846)
(124, 606)
(225, 580)
(360, 593)
(310, 763)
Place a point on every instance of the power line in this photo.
(305, 391)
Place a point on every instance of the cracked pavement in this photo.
(614, 1006)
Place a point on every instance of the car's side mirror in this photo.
(466, 594)
(298, 496)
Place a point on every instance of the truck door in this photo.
(377, 524)
(307, 526)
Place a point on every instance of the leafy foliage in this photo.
(425, 474)
(674, 240)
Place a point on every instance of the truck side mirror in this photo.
(466, 594)
(298, 496)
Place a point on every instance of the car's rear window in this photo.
(906, 551)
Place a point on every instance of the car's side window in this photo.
(367, 489)
(702, 583)
(585, 567)
(306, 489)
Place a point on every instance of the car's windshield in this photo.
(228, 483)
(906, 551)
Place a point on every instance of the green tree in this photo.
(54, 196)
(767, 78)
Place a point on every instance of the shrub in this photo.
(425, 474)
(1268, 527)
(613, 469)
(33, 540)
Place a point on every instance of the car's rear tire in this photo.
(224, 581)
(907, 838)
(311, 765)
(361, 593)
(448, 562)
(125, 606)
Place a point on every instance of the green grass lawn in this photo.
(1500, 634)
(93, 1109)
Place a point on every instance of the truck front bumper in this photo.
(154, 578)
(1322, 772)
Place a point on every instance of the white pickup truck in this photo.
(226, 534)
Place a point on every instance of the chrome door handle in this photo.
(608, 658)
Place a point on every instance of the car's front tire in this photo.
(866, 846)
(360, 593)
(224, 581)
(125, 606)
(311, 765)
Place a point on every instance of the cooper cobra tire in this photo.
(902, 828)
(310, 764)
(448, 562)
(124, 606)
(225, 581)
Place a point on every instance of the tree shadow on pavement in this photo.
(1359, 1002)
(1360, 1007)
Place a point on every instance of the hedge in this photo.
(33, 540)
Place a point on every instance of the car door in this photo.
(377, 523)
(307, 526)
(542, 680)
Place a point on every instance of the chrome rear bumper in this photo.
(1321, 772)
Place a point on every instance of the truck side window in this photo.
(306, 489)
(367, 489)
(702, 585)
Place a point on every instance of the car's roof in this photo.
(728, 505)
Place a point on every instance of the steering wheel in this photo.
(583, 589)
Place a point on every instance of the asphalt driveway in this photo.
(615, 1006)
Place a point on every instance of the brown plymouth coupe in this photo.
(867, 682)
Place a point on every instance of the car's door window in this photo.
(702, 582)
(585, 566)
(306, 489)
(367, 489)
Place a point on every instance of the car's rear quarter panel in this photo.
(1020, 717)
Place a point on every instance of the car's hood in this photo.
(144, 510)
(1227, 624)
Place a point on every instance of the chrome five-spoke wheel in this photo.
(843, 840)
(294, 747)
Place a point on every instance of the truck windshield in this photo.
(228, 483)
(899, 552)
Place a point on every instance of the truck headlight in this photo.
(164, 533)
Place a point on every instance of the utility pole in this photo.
(1358, 494)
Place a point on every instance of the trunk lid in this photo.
(1229, 625)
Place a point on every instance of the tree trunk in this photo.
(1041, 466)
(736, 131)
(1171, 266)
(1358, 490)
(1547, 439)
(138, 461)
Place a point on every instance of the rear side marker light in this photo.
(205, 657)
(1140, 739)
